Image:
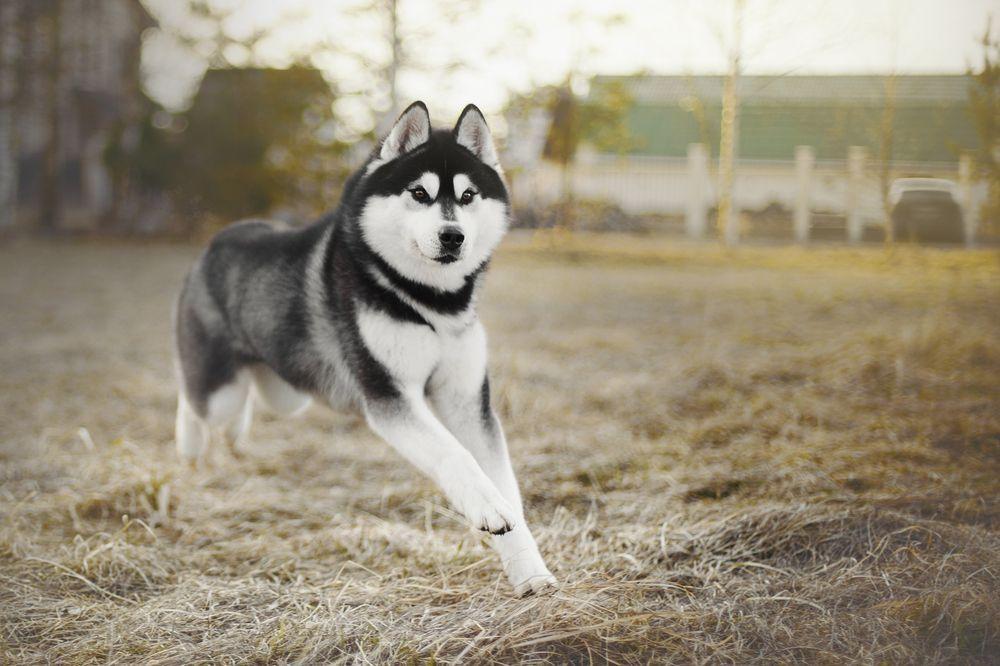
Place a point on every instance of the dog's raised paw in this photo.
(507, 527)
(494, 521)
(493, 515)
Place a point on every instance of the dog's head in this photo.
(434, 202)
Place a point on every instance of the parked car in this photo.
(926, 210)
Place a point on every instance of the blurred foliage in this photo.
(600, 120)
(984, 107)
(254, 141)
(205, 33)
(380, 40)
(149, 159)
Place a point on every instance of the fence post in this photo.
(697, 208)
(856, 158)
(965, 181)
(804, 161)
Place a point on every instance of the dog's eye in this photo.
(467, 196)
(419, 194)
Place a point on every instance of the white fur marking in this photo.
(277, 394)
(408, 351)
(429, 181)
(405, 234)
(191, 432)
(227, 402)
(461, 182)
(462, 370)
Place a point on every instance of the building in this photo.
(930, 121)
(919, 124)
(69, 88)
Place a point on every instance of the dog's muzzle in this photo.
(451, 239)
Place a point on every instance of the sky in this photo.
(483, 50)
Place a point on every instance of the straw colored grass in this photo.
(762, 455)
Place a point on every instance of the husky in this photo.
(373, 309)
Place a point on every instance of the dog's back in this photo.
(242, 308)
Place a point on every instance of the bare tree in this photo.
(728, 219)
(10, 49)
(886, 139)
(984, 108)
(397, 56)
(50, 191)
(369, 71)
(760, 21)
(129, 129)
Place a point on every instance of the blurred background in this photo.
(734, 119)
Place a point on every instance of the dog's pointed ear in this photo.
(471, 132)
(412, 128)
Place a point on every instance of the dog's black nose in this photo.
(451, 238)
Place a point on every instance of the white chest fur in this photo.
(409, 351)
(454, 355)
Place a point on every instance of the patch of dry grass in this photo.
(730, 456)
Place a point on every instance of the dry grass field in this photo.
(762, 455)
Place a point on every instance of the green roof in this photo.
(777, 113)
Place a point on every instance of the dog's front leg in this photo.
(459, 392)
(410, 427)
(475, 424)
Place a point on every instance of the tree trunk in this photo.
(397, 57)
(9, 51)
(50, 203)
(567, 203)
(728, 213)
(886, 138)
(118, 216)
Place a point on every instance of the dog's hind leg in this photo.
(215, 382)
(230, 409)
(191, 432)
(278, 395)
(235, 432)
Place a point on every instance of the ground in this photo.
(768, 454)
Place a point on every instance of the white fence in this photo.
(688, 187)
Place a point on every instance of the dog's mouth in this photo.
(448, 256)
(444, 256)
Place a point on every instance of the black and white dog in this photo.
(371, 308)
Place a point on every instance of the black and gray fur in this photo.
(271, 306)
(247, 299)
